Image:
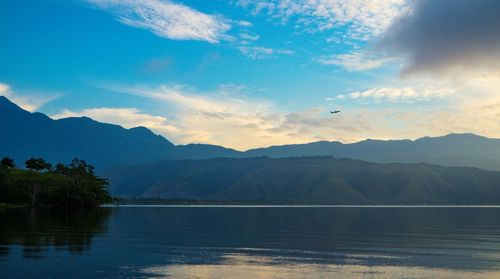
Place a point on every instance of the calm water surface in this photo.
(251, 242)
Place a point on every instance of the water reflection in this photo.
(196, 242)
(244, 266)
(38, 230)
(453, 238)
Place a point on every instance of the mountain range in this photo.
(140, 163)
(26, 135)
(307, 180)
(106, 146)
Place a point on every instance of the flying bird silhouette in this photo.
(335, 111)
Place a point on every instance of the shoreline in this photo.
(298, 206)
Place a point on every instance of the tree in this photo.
(33, 184)
(61, 169)
(8, 163)
(41, 184)
(38, 164)
(83, 187)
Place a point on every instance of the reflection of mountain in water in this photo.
(38, 230)
(237, 242)
(449, 238)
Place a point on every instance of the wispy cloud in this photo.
(363, 19)
(166, 19)
(249, 37)
(229, 117)
(397, 94)
(355, 61)
(236, 120)
(179, 22)
(126, 117)
(257, 52)
(30, 101)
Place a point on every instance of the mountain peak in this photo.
(9, 109)
(454, 136)
(103, 145)
(140, 129)
(145, 132)
(464, 135)
(6, 103)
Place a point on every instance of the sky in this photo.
(246, 74)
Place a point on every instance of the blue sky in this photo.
(239, 73)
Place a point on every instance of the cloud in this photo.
(447, 35)
(473, 107)
(229, 117)
(29, 101)
(397, 94)
(241, 122)
(354, 61)
(257, 52)
(126, 117)
(249, 37)
(166, 19)
(4, 88)
(244, 23)
(233, 119)
(363, 19)
(179, 22)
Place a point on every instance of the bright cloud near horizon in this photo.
(246, 74)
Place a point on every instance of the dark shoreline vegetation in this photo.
(137, 201)
(42, 184)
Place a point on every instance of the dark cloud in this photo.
(439, 36)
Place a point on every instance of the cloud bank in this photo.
(447, 35)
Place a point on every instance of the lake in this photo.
(251, 242)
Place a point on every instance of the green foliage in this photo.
(71, 185)
(307, 180)
(38, 164)
(8, 162)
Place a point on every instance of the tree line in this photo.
(42, 183)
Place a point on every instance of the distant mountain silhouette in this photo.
(25, 134)
(307, 180)
(450, 150)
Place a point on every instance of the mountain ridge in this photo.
(107, 145)
(306, 180)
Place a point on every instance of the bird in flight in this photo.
(335, 111)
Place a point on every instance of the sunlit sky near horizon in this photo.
(247, 74)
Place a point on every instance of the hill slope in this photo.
(26, 134)
(307, 180)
